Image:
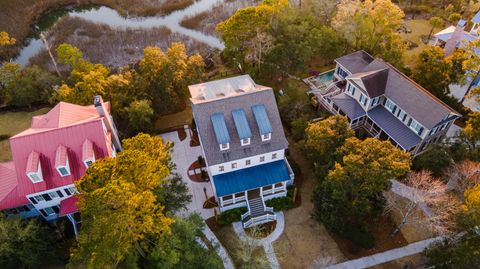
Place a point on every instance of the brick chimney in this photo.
(455, 38)
(103, 112)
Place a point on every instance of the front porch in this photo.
(239, 199)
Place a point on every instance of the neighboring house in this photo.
(454, 37)
(243, 143)
(51, 155)
(379, 99)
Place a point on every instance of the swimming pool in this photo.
(326, 76)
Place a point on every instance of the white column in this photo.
(233, 196)
(74, 223)
(221, 201)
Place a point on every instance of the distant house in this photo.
(380, 100)
(243, 143)
(51, 155)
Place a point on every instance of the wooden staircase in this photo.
(257, 213)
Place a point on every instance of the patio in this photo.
(183, 156)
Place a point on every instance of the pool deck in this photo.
(317, 83)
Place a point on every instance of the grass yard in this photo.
(12, 123)
(419, 27)
(237, 249)
(172, 121)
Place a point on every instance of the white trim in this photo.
(225, 146)
(246, 142)
(38, 174)
(66, 167)
(266, 137)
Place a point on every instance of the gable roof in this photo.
(202, 112)
(9, 196)
(374, 82)
(406, 93)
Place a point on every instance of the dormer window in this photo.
(88, 155)
(261, 117)
(34, 167)
(266, 137)
(61, 161)
(224, 146)
(245, 141)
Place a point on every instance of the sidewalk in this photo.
(386, 256)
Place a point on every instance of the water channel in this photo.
(106, 15)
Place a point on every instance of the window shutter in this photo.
(409, 122)
(43, 212)
(404, 117)
(46, 197)
(33, 200)
(420, 132)
(60, 193)
(56, 209)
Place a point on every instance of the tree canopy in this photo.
(6, 40)
(119, 205)
(371, 25)
(352, 190)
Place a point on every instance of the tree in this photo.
(183, 248)
(470, 135)
(471, 68)
(164, 77)
(6, 40)
(436, 159)
(464, 175)
(454, 18)
(353, 190)
(371, 25)
(260, 46)
(118, 203)
(25, 244)
(238, 31)
(140, 115)
(433, 72)
(173, 194)
(434, 22)
(470, 216)
(424, 190)
(24, 87)
(456, 252)
(324, 137)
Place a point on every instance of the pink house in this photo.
(51, 155)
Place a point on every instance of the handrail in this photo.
(244, 215)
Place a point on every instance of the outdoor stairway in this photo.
(257, 213)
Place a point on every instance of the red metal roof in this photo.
(9, 197)
(87, 150)
(69, 205)
(67, 125)
(32, 162)
(61, 156)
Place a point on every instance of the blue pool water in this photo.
(326, 77)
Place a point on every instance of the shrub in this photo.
(360, 236)
(201, 161)
(4, 137)
(204, 175)
(280, 203)
(231, 215)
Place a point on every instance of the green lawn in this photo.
(12, 123)
(419, 27)
(170, 121)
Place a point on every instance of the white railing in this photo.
(233, 200)
(290, 171)
(259, 220)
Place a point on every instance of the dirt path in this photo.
(304, 240)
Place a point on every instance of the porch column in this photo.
(221, 200)
(234, 200)
(74, 224)
(284, 185)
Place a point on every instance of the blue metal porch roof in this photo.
(251, 178)
(261, 117)
(349, 106)
(241, 123)
(220, 128)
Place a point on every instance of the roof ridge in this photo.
(54, 128)
(422, 89)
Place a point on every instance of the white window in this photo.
(39, 198)
(49, 211)
(414, 125)
(351, 89)
(88, 163)
(401, 115)
(64, 170)
(245, 141)
(363, 99)
(34, 177)
(53, 194)
(234, 165)
(224, 146)
(262, 158)
(221, 168)
(266, 137)
(247, 162)
(390, 106)
(71, 190)
(274, 156)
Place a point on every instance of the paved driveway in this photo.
(183, 156)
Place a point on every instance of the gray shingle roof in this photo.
(348, 105)
(374, 81)
(398, 131)
(407, 94)
(202, 112)
(355, 62)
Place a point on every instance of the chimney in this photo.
(456, 37)
(102, 111)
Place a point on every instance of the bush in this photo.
(204, 175)
(231, 215)
(4, 137)
(360, 236)
(201, 161)
(280, 203)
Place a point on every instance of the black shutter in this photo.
(420, 131)
(43, 213)
(46, 197)
(394, 109)
(409, 122)
(33, 200)
(60, 193)
(56, 209)
(404, 117)
(67, 191)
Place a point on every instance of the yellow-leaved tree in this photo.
(119, 206)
